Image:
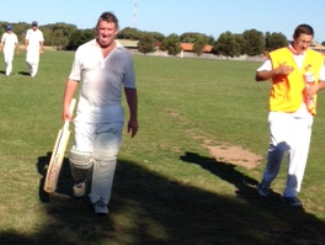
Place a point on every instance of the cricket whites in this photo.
(57, 156)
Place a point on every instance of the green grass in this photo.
(167, 188)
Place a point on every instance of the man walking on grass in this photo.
(103, 67)
(34, 46)
(9, 42)
(297, 74)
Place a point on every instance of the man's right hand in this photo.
(284, 69)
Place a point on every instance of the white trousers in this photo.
(291, 134)
(32, 61)
(103, 172)
(8, 58)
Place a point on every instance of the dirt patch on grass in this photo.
(224, 152)
(3, 208)
(232, 154)
(235, 155)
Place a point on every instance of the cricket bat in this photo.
(53, 171)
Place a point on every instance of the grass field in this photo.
(168, 187)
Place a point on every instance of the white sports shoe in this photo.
(100, 208)
(79, 189)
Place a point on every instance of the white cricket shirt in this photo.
(34, 38)
(102, 80)
(10, 40)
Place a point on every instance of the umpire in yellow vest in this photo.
(297, 73)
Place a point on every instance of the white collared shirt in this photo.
(102, 80)
(10, 41)
(34, 39)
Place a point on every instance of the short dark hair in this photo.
(303, 29)
(108, 17)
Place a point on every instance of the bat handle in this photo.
(71, 108)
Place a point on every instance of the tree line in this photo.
(63, 36)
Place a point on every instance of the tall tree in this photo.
(241, 41)
(254, 42)
(199, 45)
(192, 37)
(129, 33)
(274, 41)
(80, 37)
(146, 43)
(171, 44)
(227, 45)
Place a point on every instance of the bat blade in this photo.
(61, 142)
(56, 161)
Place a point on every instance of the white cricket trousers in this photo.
(291, 134)
(32, 61)
(102, 179)
(8, 58)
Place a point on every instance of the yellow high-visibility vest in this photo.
(287, 92)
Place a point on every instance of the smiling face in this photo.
(106, 33)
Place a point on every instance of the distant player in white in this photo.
(9, 42)
(34, 46)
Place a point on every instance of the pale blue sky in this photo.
(211, 17)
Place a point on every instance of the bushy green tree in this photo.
(211, 40)
(241, 41)
(80, 37)
(254, 42)
(274, 41)
(171, 44)
(158, 37)
(146, 43)
(192, 37)
(58, 35)
(227, 44)
(129, 33)
(199, 45)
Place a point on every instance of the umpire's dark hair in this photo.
(109, 17)
(303, 29)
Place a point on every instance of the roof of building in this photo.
(317, 46)
(128, 43)
(189, 47)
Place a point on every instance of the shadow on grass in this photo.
(65, 181)
(146, 208)
(24, 73)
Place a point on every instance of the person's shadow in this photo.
(24, 73)
(246, 186)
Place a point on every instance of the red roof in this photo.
(189, 47)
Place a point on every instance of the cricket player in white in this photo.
(9, 42)
(34, 46)
(103, 67)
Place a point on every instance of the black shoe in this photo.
(292, 201)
